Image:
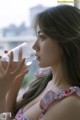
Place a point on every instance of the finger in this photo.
(10, 64)
(19, 69)
(1, 67)
(21, 76)
(20, 54)
(0, 57)
(5, 51)
(18, 80)
(21, 64)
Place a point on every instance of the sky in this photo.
(17, 11)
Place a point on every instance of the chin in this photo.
(43, 65)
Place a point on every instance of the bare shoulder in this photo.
(65, 109)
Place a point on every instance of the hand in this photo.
(9, 76)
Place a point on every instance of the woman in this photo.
(57, 95)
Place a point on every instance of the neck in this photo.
(60, 77)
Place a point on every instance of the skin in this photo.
(66, 109)
(9, 79)
(49, 54)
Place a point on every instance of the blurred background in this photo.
(16, 18)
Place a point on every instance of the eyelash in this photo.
(41, 37)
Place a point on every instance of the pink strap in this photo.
(50, 97)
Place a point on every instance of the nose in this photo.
(35, 46)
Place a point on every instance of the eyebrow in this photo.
(39, 31)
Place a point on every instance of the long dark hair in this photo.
(63, 23)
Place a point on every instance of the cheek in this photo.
(52, 56)
(56, 57)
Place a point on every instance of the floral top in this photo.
(20, 116)
(49, 98)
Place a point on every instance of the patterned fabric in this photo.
(20, 116)
(50, 97)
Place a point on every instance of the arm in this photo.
(11, 97)
(10, 82)
(66, 109)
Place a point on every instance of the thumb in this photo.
(18, 80)
(21, 76)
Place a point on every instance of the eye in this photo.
(41, 37)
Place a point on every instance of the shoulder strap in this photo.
(50, 97)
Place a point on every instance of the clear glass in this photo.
(16, 50)
(30, 60)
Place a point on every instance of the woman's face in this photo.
(48, 51)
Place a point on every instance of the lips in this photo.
(37, 57)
